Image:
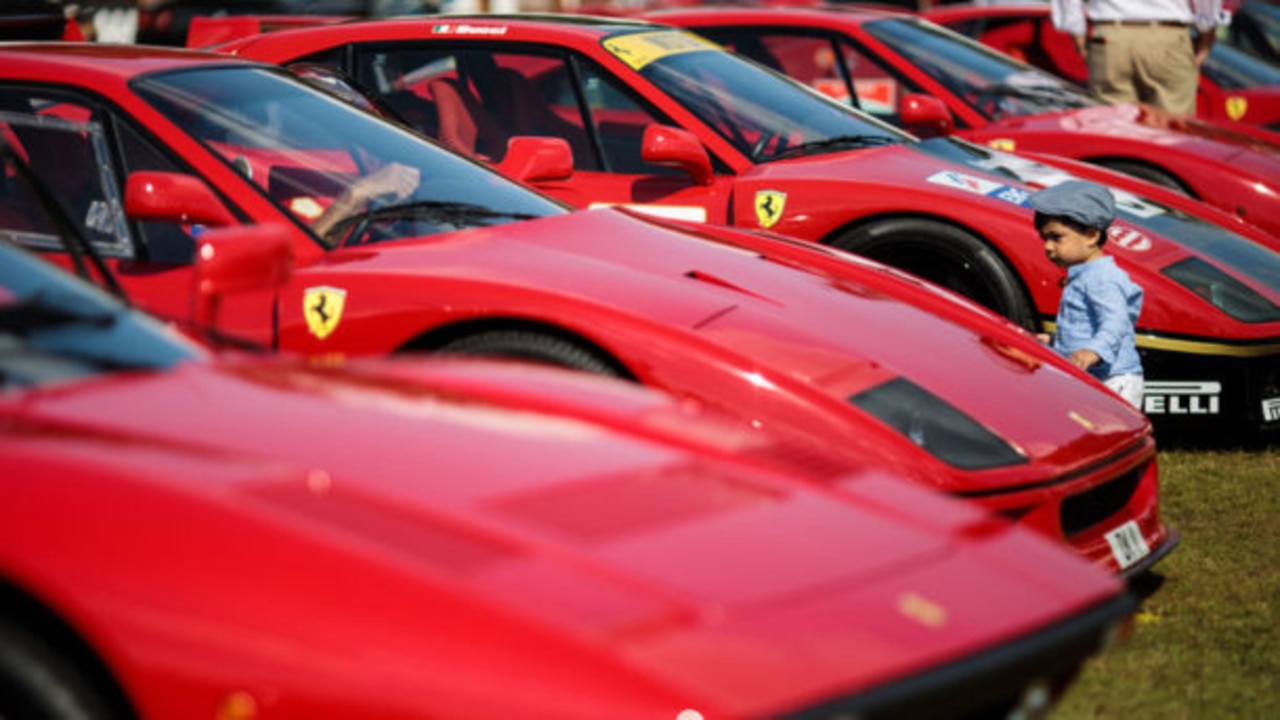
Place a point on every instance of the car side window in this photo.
(164, 243)
(63, 141)
(878, 90)
(619, 119)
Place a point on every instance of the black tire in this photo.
(533, 346)
(36, 683)
(944, 255)
(1143, 171)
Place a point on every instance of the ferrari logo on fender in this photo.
(1237, 107)
(1003, 144)
(769, 204)
(322, 307)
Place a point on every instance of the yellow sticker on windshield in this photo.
(640, 49)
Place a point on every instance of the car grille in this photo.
(1083, 511)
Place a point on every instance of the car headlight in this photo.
(935, 425)
(1222, 291)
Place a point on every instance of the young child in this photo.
(1100, 304)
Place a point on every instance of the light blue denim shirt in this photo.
(1099, 308)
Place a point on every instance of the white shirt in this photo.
(1072, 16)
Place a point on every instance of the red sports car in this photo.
(451, 257)
(664, 121)
(999, 101)
(1235, 88)
(184, 536)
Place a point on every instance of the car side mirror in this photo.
(537, 159)
(673, 147)
(175, 198)
(238, 258)
(925, 115)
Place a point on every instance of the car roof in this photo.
(550, 27)
(854, 13)
(91, 63)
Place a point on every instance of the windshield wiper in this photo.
(39, 312)
(839, 142)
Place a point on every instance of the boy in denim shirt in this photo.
(1100, 304)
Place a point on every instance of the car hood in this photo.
(1151, 126)
(806, 320)
(560, 531)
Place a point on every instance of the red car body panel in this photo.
(714, 316)
(1026, 32)
(1236, 170)
(888, 182)
(288, 539)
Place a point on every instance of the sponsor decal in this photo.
(1035, 173)
(1237, 107)
(453, 29)
(322, 307)
(980, 186)
(769, 205)
(1004, 144)
(1271, 409)
(1177, 397)
(640, 49)
(1128, 238)
(690, 213)
(923, 610)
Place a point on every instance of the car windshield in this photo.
(348, 175)
(1232, 69)
(995, 85)
(764, 115)
(1255, 28)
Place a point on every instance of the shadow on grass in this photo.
(1145, 585)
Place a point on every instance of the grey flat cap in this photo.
(1089, 204)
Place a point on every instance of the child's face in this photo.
(1066, 247)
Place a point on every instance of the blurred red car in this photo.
(662, 121)
(813, 345)
(996, 100)
(1235, 88)
(239, 536)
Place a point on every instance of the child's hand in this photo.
(1045, 338)
(1083, 358)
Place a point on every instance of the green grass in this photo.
(1206, 643)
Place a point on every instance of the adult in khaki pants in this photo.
(1142, 50)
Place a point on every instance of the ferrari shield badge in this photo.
(769, 204)
(322, 307)
(1237, 107)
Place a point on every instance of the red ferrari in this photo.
(996, 100)
(187, 536)
(663, 121)
(1235, 88)
(403, 247)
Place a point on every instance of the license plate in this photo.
(1127, 545)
